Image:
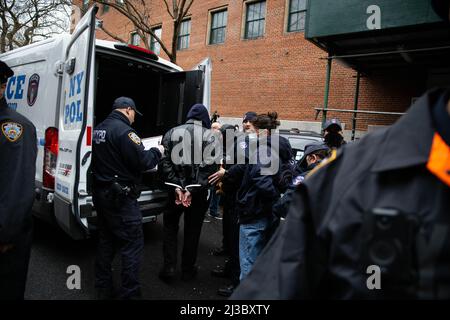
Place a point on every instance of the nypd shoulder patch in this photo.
(134, 137)
(12, 130)
(297, 180)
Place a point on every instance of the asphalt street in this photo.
(53, 252)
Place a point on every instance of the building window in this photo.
(297, 13)
(183, 37)
(135, 39)
(218, 27)
(255, 19)
(105, 8)
(85, 4)
(154, 45)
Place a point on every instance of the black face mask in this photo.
(333, 140)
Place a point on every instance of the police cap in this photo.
(249, 116)
(332, 122)
(315, 147)
(125, 102)
(5, 72)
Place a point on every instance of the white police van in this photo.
(65, 86)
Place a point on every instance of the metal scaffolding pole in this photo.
(327, 91)
(355, 105)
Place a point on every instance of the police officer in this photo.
(314, 154)
(119, 158)
(18, 145)
(192, 202)
(332, 134)
(231, 184)
(373, 221)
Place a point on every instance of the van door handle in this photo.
(82, 194)
(85, 158)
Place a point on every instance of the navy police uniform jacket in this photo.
(379, 209)
(258, 192)
(18, 150)
(118, 151)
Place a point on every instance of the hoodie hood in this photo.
(199, 112)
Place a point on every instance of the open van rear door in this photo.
(179, 91)
(75, 127)
(205, 66)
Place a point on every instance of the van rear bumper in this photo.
(67, 221)
(43, 207)
(151, 204)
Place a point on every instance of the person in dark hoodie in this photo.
(184, 165)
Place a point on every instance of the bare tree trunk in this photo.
(138, 13)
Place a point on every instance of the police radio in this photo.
(389, 242)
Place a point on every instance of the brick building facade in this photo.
(279, 71)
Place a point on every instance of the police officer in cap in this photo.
(314, 154)
(119, 158)
(18, 145)
(332, 134)
(373, 221)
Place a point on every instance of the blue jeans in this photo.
(252, 239)
(214, 203)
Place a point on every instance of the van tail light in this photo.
(136, 50)
(50, 157)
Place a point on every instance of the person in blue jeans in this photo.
(259, 190)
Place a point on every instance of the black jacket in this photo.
(281, 207)
(191, 140)
(118, 150)
(18, 150)
(376, 193)
(259, 191)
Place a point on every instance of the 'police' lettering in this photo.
(73, 112)
(19, 90)
(72, 87)
(14, 90)
(9, 91)
(76, 81)
(79, 79)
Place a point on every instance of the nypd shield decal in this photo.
(12, 130)
(33, 88)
